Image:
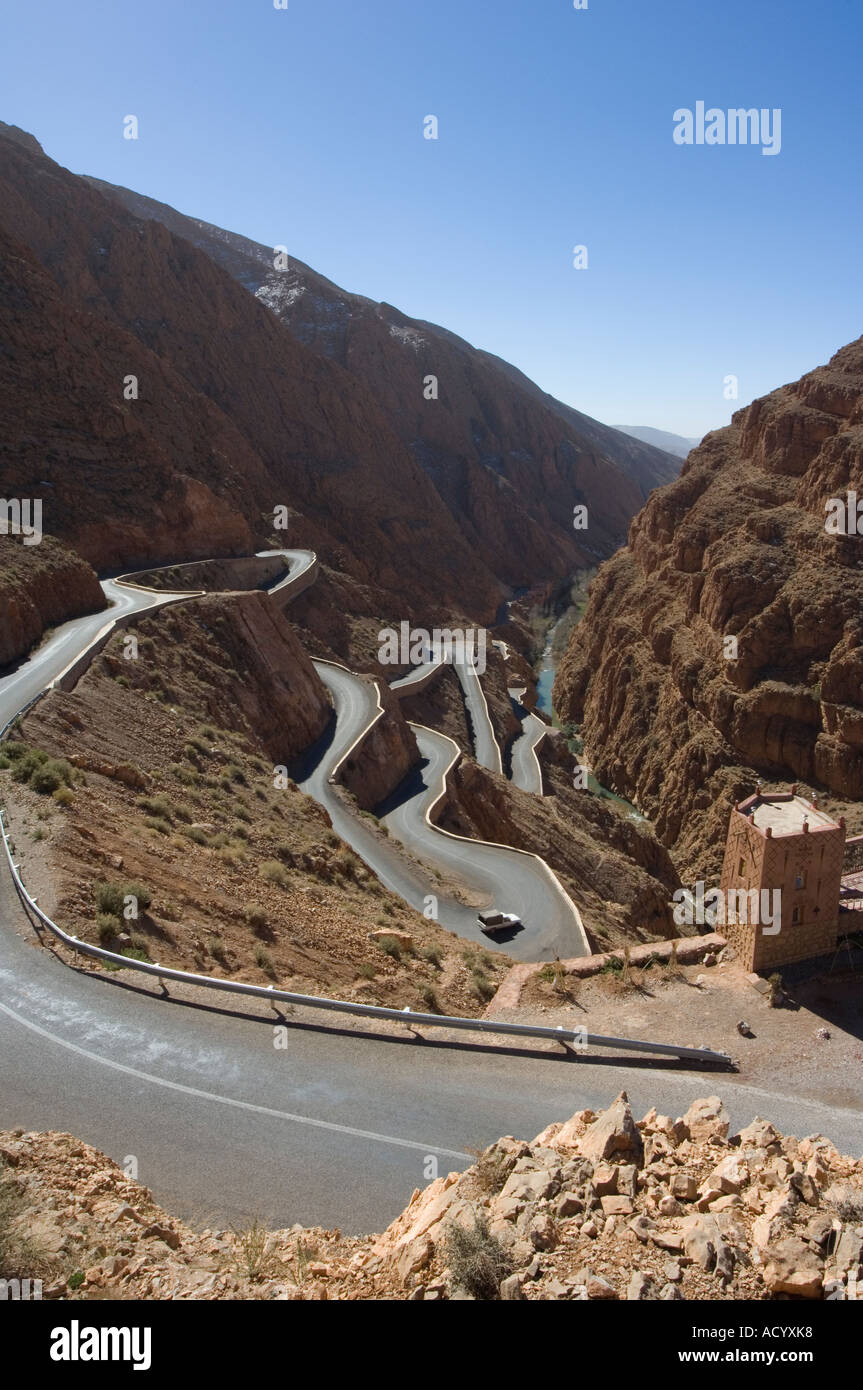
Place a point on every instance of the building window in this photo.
(800, 879)
(740, 868)
(795, 916)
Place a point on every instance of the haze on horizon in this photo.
(304, 127)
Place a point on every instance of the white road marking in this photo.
(229, 1100)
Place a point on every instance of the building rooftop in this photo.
(785, 813)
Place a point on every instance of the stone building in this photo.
(778, 840)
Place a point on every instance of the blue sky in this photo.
(303, 127)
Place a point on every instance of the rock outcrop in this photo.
(726, 641)
(383, 757)
(570, 1215)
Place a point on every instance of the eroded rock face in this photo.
(737, 548)
(41, 586)
(383, 757)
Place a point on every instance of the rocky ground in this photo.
(812, 1035)
(601, 1207)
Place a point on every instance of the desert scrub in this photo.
(390, 947)
(481, 985)
(434, 955)
(112, 898)
(257, 920)
(477, 1259)
(273, 872)
(33, 766)
(108, 926)
(159, 824)
(428, 994)
(217, 949)
(159, 805)
(264, 961)
(194, 833)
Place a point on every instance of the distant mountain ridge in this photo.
(677, 444)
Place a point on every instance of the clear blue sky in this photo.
(303, 127)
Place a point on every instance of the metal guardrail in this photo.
(579, 1038)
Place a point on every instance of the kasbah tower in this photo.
(778, 840)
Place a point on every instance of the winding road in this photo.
(336, 1129)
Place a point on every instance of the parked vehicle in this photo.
(492, 921)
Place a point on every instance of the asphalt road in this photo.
(512, 881)
(486, 747)
(524, 767)
(334, 1130)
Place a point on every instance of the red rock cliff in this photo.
(737, 548)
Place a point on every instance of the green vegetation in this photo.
(390, 947)
(108, 926)
(257, 920)
(34, 767)
(429, 996)
(111, 897)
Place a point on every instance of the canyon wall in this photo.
(726, 641)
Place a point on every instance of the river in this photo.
(544, 682)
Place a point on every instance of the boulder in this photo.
(706, 1119)
(792, 1267)
(614, 1132)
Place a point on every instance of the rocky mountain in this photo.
(233, 416)
(676, 444)
(600, 1208)
(509, 460)
(725, 643)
